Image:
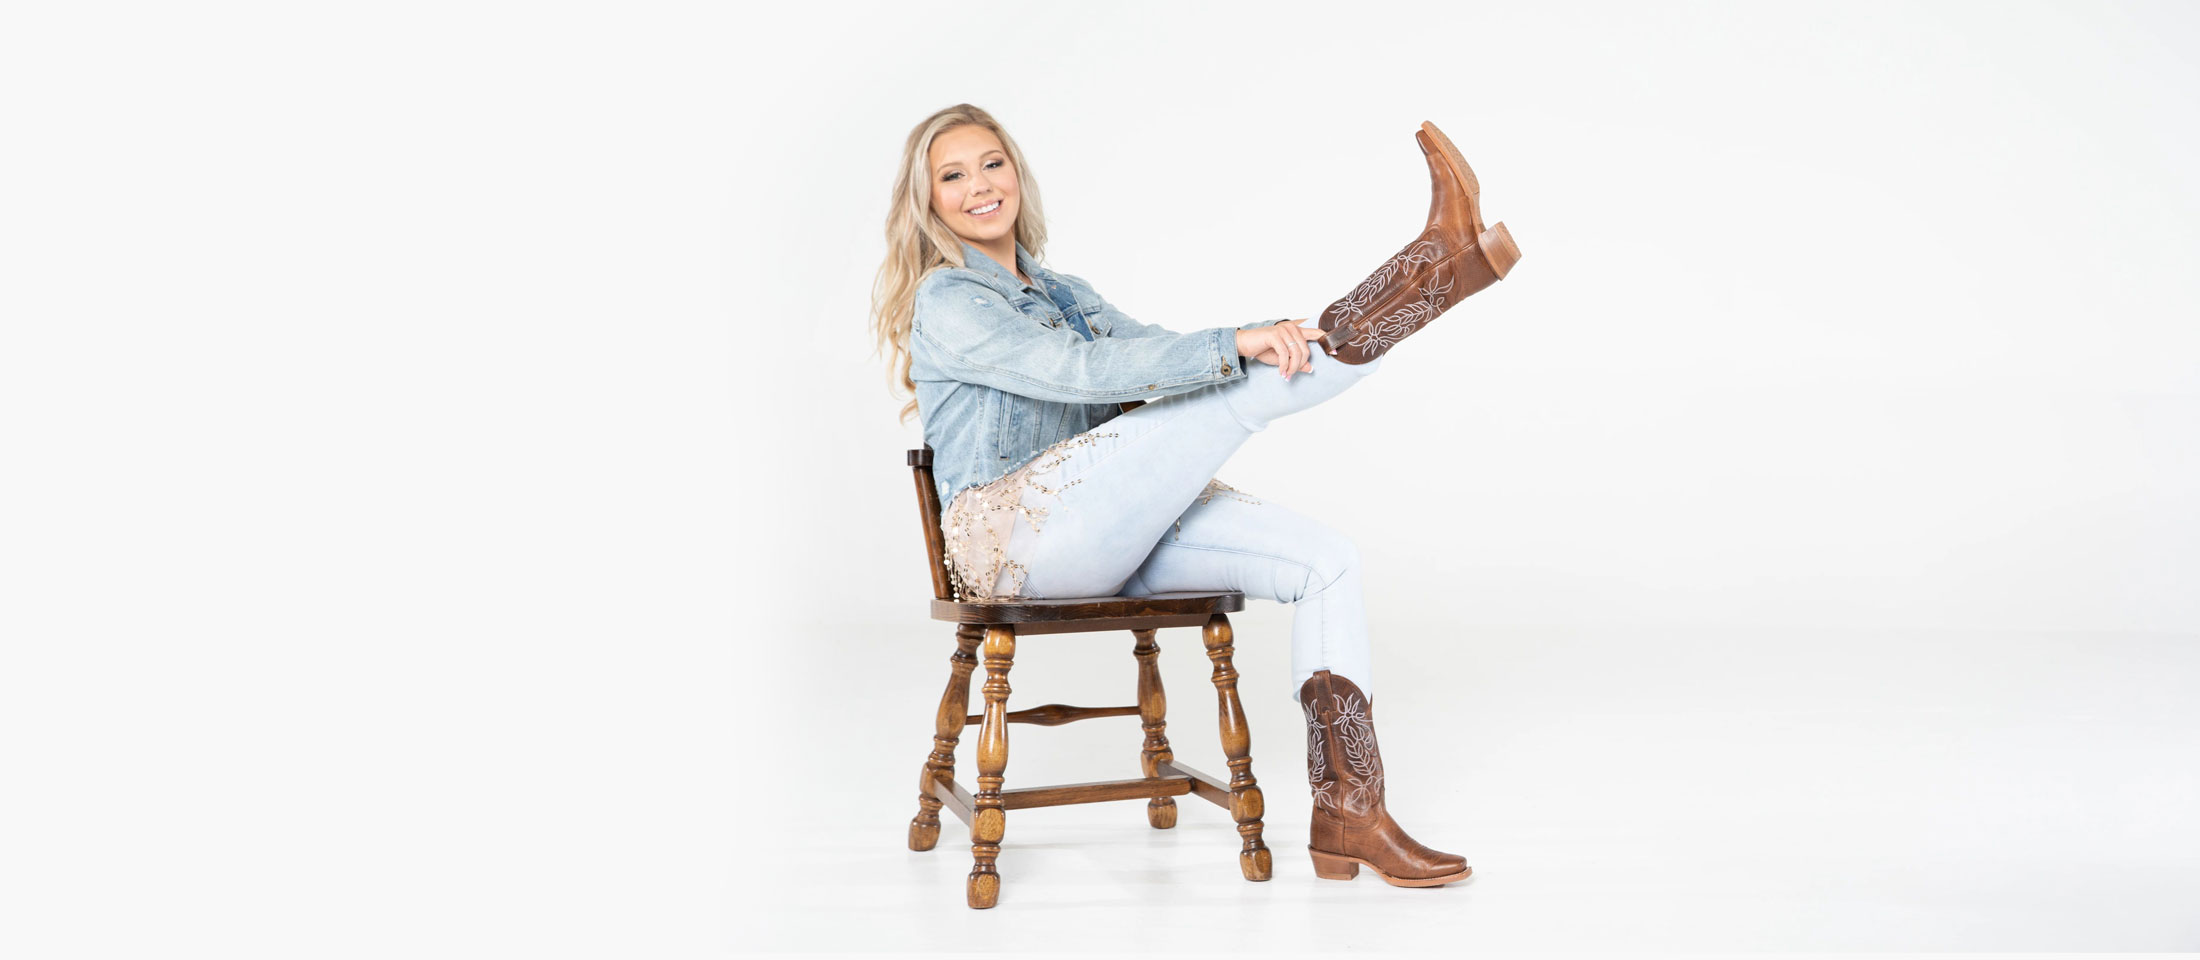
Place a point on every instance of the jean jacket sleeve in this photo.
(964, 330)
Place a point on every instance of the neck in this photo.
(1003, 252)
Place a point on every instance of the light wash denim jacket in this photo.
(1004, 370)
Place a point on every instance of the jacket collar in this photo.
(983, 262)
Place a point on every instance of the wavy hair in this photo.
(919, 242)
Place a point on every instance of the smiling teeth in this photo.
(988, 208)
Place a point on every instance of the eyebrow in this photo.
(957, 163)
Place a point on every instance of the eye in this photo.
(951, 176)
(996, 163)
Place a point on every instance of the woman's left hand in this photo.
(1270, 358)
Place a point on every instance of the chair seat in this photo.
(1092, 614)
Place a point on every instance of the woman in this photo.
(1019, 372)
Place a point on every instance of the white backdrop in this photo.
(454, 510)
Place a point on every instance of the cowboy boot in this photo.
(1452, 259)
(1351, 825)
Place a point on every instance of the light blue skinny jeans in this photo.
(1130, 512)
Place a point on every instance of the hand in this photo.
(1281, 345)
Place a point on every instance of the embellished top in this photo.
(976, 528)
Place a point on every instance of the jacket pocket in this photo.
(1029, 425)
(1004, 425)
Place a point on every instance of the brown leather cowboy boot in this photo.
(1452, 259)
(1351, 826)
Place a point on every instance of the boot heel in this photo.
(1498, 248)
(1329, 866)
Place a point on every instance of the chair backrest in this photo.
(928, 511)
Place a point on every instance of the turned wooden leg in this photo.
(1153, 709)
(1237, 744)
(987, 815)
(924, 831)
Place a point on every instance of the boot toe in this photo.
(1443, 867)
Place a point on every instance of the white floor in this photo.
(1730, 790)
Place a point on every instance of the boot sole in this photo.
(1459, 169)
(1496, 243)
(1337, 866)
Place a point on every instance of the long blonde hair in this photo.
(919, 242)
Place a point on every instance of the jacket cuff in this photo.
(1226, 351)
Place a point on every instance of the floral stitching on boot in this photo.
(1357, 735)
(1419, 252)
(1317, 760)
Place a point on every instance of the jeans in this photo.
(1131, 507)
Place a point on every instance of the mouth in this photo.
(981, 213)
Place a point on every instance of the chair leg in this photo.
(924, 831)
(1153, 708)
(1245, 800)
(988, 816)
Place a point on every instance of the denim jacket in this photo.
(1004, 370)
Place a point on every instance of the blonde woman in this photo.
(1018, 373)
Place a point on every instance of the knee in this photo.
(1247, 415)
(1334, 557)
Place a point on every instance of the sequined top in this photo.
(978, 525)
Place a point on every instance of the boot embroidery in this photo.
(1317, 760)
(1353, 306)
(1384, 333)
(1357, 735)
(1374, 339)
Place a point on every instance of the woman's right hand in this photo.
(1282, 345)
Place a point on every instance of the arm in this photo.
(967, 332)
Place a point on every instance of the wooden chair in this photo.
(999, 623)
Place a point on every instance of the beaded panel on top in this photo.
(977, 526)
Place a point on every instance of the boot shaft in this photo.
(1344, 766)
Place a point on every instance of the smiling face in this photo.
(974, 188)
